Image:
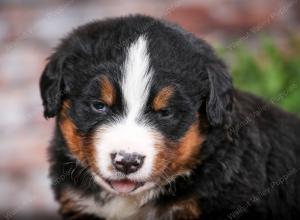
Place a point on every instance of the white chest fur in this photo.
(115, 207)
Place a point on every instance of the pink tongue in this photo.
(123, 186)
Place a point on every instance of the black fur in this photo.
(249, 171)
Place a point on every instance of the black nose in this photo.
(127, 163)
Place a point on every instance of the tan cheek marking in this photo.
(188, 148)
(176, 158)
(90, 155)
(82, 149)
(162, 98)
(108, 94)
(162, 159)
(68, 129)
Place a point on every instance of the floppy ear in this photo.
(51, 86)
(219, 102)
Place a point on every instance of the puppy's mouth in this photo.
(124, 185)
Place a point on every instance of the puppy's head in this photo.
(134, 98)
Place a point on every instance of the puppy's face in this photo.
(131, 116)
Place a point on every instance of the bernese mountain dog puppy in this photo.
(149, 126)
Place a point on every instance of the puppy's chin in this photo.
(124, 187)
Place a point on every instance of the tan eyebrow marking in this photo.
(162, 98)
(108, 93)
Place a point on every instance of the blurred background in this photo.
(259, 40)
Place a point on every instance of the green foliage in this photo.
(270, 72)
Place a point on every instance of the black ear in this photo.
(51, 86)
(219, 102)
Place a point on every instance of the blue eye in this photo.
(99, 107)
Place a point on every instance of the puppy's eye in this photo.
(165, 113)
(99, 107)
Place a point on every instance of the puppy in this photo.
(149, 126)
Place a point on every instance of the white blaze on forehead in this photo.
(128, 133)
(137, 77)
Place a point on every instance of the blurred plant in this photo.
(269, 72)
